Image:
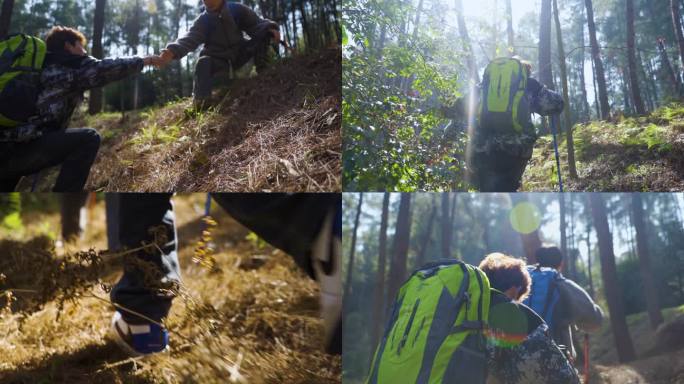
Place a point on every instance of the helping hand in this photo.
(155, 61)
(166, 57)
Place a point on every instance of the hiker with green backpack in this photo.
(41, 85)
(452, 322)
(503, 137)
(560, 301)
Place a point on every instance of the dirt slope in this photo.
(649, 368)
(255, 321)
(631, 154)
(278, 131)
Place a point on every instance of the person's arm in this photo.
(543, 101)
(94, 73)
(581, 308)
(248, 21)
(196, 36)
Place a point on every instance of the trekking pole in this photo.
(207, 205)
(555, 148)
(586, 358)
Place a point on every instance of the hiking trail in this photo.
(256, 319)
(277, 132)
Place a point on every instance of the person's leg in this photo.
(149, 275)
(77, 163)
(203, 83)
(290, 222)
(307, 226)
(258, 49)
(205, 72)
(75, 149)
(71, 206)
(9, 184)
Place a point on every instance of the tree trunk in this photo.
(352, 251)
(583, 85)
(596, 98)
(446, 226)
(95, 102)
(677, 24)
(545, 75)
(572, 168)
(379, 297)
(649, 286)
(592, 292)
(668, 66)
(509, 27)
(631, 59)
(6, 17)
(599, 73)
(400, 246)
(294, 25)
(463, 32)
(622, 339)
(425, 241)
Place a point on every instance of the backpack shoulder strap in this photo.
(234, 12)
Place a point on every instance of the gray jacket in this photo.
(575, 307)
(220, 32)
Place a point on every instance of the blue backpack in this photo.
(544, 293)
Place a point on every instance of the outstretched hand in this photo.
(155, 61)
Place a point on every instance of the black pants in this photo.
(75, 149)
(71, 205)
(290, 222)
(498, 171)
(208, 67)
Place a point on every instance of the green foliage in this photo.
(10, 212)
(255, 240)
(393, 84)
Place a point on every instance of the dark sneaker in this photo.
(139, 339)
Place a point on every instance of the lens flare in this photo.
(525, 217)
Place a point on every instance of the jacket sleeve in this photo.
(248, 20)
(544, 101)
(196, 36)
(582, 310)
(93, 74)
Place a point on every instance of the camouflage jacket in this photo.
(64, 79)
(537, 360)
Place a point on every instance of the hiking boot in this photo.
(138, 339)
(327, 265)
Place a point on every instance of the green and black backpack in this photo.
(503, 105)
(21, 61)
(435, 332)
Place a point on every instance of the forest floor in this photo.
(630, 155)
(256, 320)
(649, 368)
(278, 131)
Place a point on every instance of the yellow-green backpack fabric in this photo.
(21, 61)
(504, 108)
(435, 331)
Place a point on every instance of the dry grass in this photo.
(254, 322)
(279, 131)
